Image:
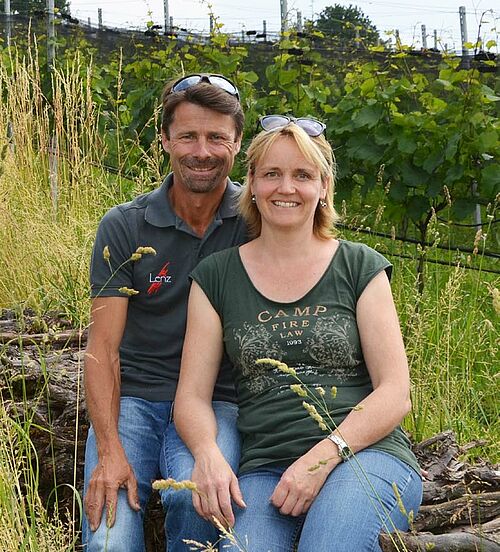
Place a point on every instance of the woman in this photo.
(324, 308)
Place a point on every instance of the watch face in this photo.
(345, 452)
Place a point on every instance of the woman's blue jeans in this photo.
(355, 504)
(154, 450)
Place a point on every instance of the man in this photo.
(143, 253)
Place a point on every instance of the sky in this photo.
(405, 15)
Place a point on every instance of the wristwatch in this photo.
(344, 450)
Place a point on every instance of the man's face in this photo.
(202, 147)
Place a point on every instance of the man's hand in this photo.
(112, 473)
(302, 481)
(217, 485)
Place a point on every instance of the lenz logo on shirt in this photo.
(163, 277)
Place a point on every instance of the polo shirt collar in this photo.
(160, 213)
(229, 204)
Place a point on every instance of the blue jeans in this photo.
(154, 450)
(354, 505)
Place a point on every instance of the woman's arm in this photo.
(376, 416)
(193, 413)
(383, 349)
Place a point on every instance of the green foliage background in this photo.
(410, 126)
(425, 131)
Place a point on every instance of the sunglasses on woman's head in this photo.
(310, 126)
(216, 80)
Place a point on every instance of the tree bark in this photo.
(450, 542)
(468, 509)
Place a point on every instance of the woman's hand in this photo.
(217, 485)
(302, 481)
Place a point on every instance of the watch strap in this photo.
(343, 448)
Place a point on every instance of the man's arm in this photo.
(102, 389)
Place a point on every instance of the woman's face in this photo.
(287, 187)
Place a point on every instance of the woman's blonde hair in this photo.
(316, 150)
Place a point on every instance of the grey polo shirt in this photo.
(151, 347)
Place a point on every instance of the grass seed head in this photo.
(164, 484)
(495, 292)
(399, 500)
(146, 250)
(315, 415)
(477, 239)
(298, 390)
(281, 366)
(128, 291)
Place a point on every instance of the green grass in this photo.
(452, 341)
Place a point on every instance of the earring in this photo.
(322, 203)
(253, 199)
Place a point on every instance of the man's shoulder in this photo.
(127, 210)
(234, 189)
(138, 203)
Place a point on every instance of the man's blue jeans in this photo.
(154, 450)
(354, 505)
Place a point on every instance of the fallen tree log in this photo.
(474, 480)
(448, 542)
(468, 509)
(59, 338)
(458, 501)
(41, 380)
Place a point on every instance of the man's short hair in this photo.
(205, 95)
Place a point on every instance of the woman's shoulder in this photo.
(363, 262)
(221, 257)
(216, 273)
(217, 261)
(358, 249)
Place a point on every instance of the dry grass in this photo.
(53, 187)
(24, 521)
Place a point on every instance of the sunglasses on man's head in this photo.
(216, 80)
(310, 126)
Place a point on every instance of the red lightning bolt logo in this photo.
(155, 286)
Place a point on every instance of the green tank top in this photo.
(316, 335)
